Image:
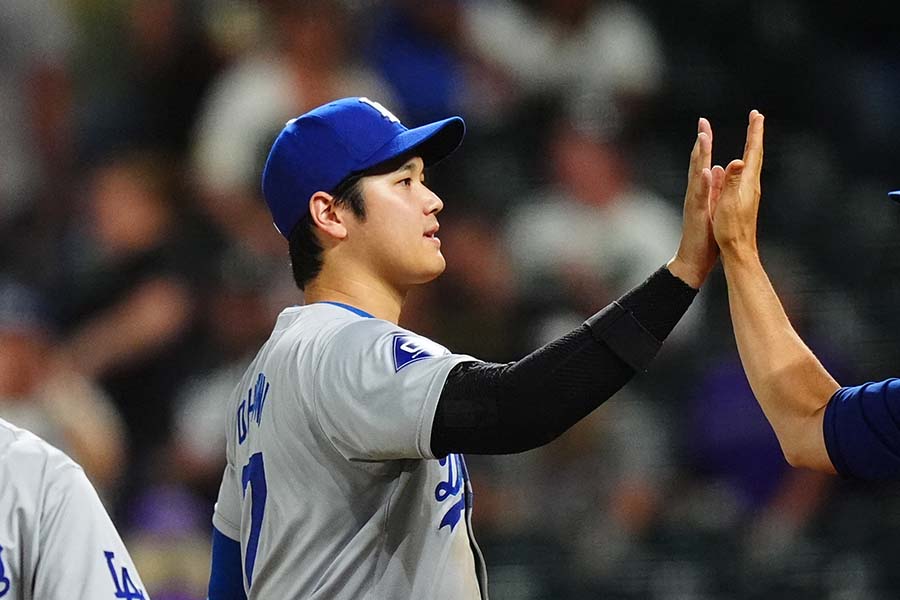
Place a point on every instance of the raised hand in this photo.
(697, 251)
(734, 196)
(791, 385)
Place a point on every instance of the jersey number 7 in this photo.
(254, 473)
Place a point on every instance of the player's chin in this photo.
(433, 269)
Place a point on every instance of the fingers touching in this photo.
(697, 252)
(717, 182)
(747, 169)
(735, 192)
(731, 193)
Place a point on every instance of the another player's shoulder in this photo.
(27, 461)
(887, 390)
(21, 445)
(890, 387)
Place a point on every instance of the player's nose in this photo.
(433, 203)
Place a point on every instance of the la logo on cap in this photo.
(380, 108)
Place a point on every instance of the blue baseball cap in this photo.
(316, 151)
(894, 195)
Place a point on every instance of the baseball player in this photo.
(56, 540)
(345, 474)
(853, 431)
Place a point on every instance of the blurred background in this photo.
(139, 270)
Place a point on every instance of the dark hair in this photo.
(303, 243)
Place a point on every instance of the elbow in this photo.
(794, 451)
(806, 450)
(794, 456)
(807, 460)
(795, 407)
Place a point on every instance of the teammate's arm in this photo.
(791, 385)
(496, 409)
(853, 430)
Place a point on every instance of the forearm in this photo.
(791, 385)
(498, 409)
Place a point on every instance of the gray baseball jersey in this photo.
(330, 485)
(56, 539)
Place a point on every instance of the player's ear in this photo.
(327, 217)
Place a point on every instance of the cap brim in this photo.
(895, 196)
(433, 142)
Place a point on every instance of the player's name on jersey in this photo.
(250, 409)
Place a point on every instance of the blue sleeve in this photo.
(862, 430)
(226, 579)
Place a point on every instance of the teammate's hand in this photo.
(734, 196)
(697, 251)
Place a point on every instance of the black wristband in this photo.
(624, 334)
(636, 325)
(659, 303)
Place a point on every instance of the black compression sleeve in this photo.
(488, 408)
(659, 303)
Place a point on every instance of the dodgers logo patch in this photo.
(410, 348)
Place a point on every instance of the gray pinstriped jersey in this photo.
(330, 483)
(56, 539)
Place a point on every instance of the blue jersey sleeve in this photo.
(862, 430)
(226, 580)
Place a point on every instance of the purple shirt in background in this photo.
(731, 439)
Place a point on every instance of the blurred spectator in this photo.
(590, 233)
(40, 393)
(734, 450)
(159, 64)
(424, 53)
(597, 492)
(169, 540)
(240, 312)
(127, 305)
(307, 61)
(417, 48)
(573, 47)
(35, 131)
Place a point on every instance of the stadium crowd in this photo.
(139, 269)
